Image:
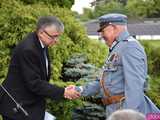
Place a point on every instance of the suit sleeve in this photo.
(31, 76)
(133, 60)
(91, 88)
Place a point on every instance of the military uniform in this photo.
(124, 74)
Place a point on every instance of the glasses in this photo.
(53, 37)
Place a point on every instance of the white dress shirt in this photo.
(46, 59)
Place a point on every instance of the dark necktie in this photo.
(45, 51)
(46, 59)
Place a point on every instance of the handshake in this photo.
(71, 92)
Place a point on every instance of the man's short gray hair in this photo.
(126, 114)
(46, 21)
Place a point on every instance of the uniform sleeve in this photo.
(91, 89)
(31, 77)
(133, 60)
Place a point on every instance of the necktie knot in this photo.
(45, 48)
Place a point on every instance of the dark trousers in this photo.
(6, 118)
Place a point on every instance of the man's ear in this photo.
(40, 34)
(39, 31)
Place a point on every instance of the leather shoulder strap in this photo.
(106, 91)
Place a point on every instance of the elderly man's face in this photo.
(108, 34)
(49, 35)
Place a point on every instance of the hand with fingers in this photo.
(71, 92)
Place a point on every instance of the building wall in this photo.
(139, 37)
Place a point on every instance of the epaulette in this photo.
(131, 39)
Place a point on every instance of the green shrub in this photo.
(18, 19)
(152, 49)
(154, 89)
(61, 3)
(153, 57)
(77, 67)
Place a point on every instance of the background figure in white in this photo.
(126, 114)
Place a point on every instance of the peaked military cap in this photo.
(113, 18)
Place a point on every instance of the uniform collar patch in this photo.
(114, 57)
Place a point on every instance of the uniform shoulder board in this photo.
(131, 39)
(125, 40)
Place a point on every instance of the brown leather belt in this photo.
(113, 99)
(108, 98)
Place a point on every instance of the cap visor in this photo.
(100, 29)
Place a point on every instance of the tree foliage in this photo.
(143, 8)
(18, 19)
(132, 8)
(153, 56)
(77, 67)
(109, 7)
(61, 3)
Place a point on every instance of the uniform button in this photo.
(15, 110)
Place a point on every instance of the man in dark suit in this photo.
(29, 73)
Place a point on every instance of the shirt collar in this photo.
(42, 45)
(122, 36)
(113, 44)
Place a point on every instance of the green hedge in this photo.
(61, 3)
(154, 88)
(152, 49)
(18, 19)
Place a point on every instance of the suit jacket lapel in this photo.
(49, 65)
(41, 53)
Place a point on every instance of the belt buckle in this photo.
(120, 102)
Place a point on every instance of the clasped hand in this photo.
(71, 93)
